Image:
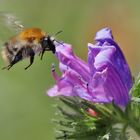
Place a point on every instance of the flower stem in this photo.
(135, 126)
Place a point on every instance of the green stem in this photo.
(135, 126)
(123, 131)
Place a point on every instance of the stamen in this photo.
(88, 87)
(84, 84)
(55, 76)
(53, 67)
(82, 81)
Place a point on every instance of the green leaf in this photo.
(110, 123)
(80, 123)
(71, 102)
(135, 91)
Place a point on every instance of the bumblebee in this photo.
(27, 43)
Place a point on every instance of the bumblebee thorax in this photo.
(32, 34)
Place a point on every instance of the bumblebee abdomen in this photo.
(7, 54)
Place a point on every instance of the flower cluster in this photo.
(104, 78)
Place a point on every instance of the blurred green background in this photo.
(25, 110)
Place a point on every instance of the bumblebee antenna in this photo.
(58, 33)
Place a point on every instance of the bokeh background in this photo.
(25, 110)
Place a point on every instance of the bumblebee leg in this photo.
(7, 67)
(42, 53)
(31, 62)
(31, 54)
(10, 65)
(16, 59)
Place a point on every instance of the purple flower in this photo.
(106, 76)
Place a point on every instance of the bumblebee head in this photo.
(48, 42)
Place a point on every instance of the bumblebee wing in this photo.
(11, 21)
(9, 25)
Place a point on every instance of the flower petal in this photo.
(99, 57)
(65, 91)
(66, 56)
(105, 79)
(105, 35)
(107, 86)
(66, 83)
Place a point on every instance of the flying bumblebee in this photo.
(27, 43)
